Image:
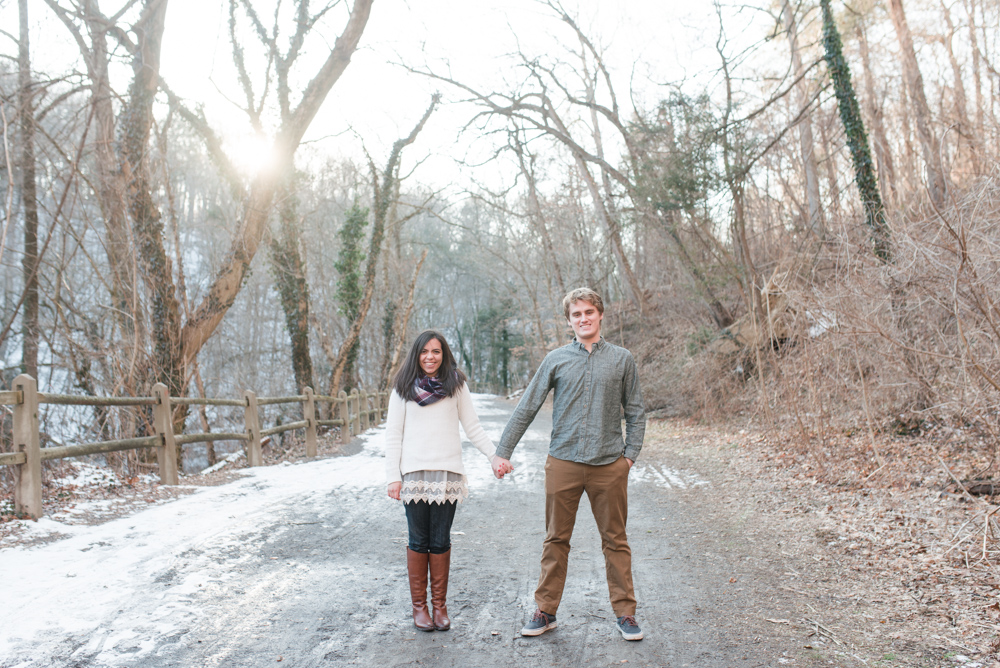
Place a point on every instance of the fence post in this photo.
(163, 423)
(363, 412)
(344, 413)
(356, 424)
(252, 418)
(27, 476)
(309, 415)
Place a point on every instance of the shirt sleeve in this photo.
(395, 414)
(470, 423)
(635, 410)
(529, 405)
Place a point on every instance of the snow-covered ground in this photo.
(69, 587)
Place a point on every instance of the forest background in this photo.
(790, 207)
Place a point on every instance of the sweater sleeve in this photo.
(394, 437)
(470, 422)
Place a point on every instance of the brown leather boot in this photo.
(440, 565)
(416, 566)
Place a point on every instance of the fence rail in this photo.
(355, 412)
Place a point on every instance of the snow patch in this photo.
(131, 564)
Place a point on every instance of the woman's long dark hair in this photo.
(448, 373)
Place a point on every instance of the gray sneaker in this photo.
(539, 624)
(629, 628)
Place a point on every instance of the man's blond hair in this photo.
(583, 294)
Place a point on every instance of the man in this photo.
(593, 381)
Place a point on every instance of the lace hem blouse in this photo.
(434, 487)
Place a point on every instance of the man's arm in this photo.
(529, 405)
(635, 411)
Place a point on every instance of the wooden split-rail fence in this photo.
(355, 412)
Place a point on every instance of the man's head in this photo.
(584, 309)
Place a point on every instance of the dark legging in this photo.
(430, 525)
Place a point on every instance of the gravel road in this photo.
(320, 580)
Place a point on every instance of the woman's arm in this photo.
(395, 415)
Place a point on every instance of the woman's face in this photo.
(430, 357)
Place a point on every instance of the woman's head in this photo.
(429, 356)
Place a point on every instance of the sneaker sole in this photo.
(631, 636)
(538, 632)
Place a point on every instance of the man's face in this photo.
(585, 320)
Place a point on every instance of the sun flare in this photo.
(252, 154)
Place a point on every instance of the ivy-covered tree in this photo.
(348, 267)
(857, 138)
(290, 280)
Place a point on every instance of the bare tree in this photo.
(384, 186)
(84, 20)
(400, 324)
(286, 257)
(929, 144)
(260, 195)
(526, 164)
(966, 131)
(806, 143)
(874, 102)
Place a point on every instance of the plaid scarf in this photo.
(428, 390)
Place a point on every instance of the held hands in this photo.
(394, 490)
(501, 466)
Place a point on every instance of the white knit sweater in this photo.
(425, 438)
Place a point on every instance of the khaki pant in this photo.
(607, 488)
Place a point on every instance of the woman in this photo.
(423, 465)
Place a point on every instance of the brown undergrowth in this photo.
(909, 561)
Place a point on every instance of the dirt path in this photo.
(320, 581)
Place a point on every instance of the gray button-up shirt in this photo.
(591, 389)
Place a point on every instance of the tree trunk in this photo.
(29, 198)
(966, 132)
(720, 314)
(970, 9)
(110, 188)
(383, 196)
(815, 223)
(611, 228)
(134, 127)
(537, 215)
(390, 368)
(290, 280)
(883, 154)
(857, 139)
(608, 211)
(930, 147)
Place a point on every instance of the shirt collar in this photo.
(596, 345)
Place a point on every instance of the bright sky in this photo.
(381, 101)
(647, 42)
